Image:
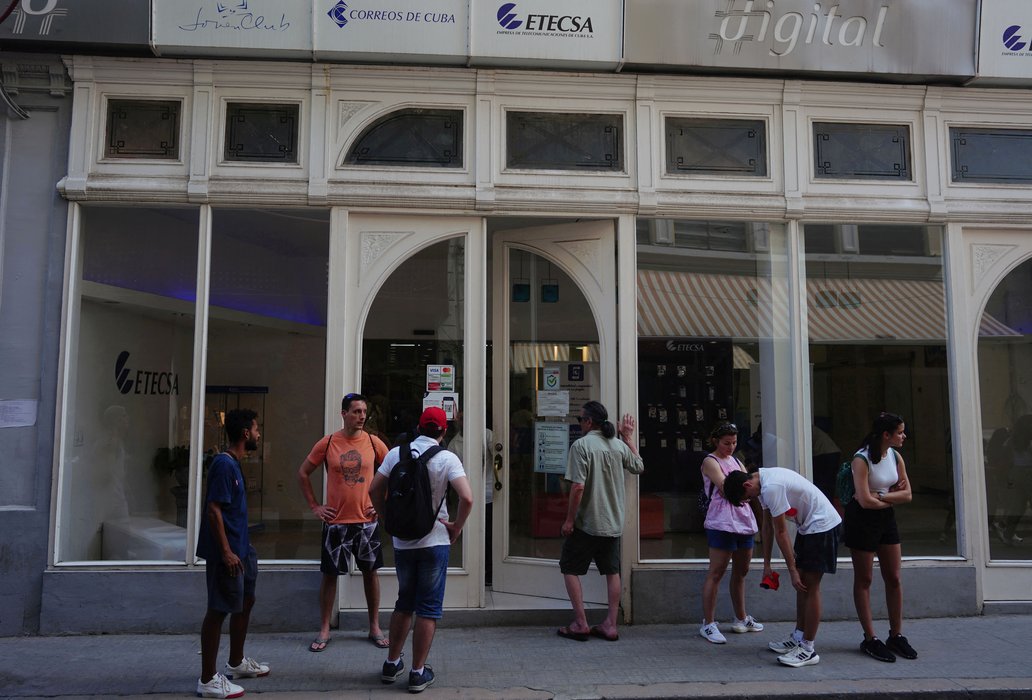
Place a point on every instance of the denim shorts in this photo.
(728, 541)
(421, 577)
(227, 593)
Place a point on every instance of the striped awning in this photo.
(674, 303)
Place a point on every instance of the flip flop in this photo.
(567, 633)
(379, 641)
(318, 645)
(597, 631)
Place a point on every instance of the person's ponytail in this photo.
(600, 417)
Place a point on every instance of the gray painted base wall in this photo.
(674, 596)
(95, 602)
(174, 601)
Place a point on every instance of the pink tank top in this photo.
(721, 515)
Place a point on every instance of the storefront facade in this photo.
(673, 232)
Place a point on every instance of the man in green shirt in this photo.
(595, 515)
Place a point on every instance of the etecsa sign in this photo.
(547, 33)
(1005, 42)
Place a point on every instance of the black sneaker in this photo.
(391, 672)
(418, 682)
(899, 644)
(876, 649)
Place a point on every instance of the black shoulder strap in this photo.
(326, 452)
(429, 453)
(372, 446)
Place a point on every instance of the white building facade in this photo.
(786, 217)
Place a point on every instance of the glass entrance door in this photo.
(553, 339)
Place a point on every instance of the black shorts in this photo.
(580, 549)
(867, 530)
(818, 552)
(342, 543)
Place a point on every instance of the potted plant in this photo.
(174, 461)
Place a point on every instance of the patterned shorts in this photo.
(342, 543)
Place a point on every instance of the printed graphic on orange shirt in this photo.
(351, 467)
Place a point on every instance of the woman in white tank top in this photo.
(880, 480)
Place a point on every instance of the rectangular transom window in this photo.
(539, 141)
(716, 146)
(991, 155)
(142, 129)
(261, 133)
(861, 151)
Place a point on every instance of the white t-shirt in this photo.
(443, 467)
(782, 489)
(458, 446)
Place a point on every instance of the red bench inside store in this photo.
(548, 511)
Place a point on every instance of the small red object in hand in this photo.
(771, 582)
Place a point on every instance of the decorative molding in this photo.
(346, 112)
(36, 77)
(376, 243)
(983, 257)
(586, 251)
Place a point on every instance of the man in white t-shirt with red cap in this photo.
(422, 565)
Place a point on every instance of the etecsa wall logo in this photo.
(507, 18)
(541, 24)
(1013, 40)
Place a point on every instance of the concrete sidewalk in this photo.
(959, 657)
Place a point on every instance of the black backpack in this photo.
(410, 510)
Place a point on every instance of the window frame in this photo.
(621, 146)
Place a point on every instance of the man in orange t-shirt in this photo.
(351, 456)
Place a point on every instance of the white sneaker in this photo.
(218, 687)
(800, 657)
(746, 625)
(1015, 539)
(785, 646)
(711, 633)
(248, 668)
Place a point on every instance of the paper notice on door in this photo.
(553, 403)
(551, 443)
(18, 413)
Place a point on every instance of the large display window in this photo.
(266, 351)
(128, 456)
(876, 309)
(125, 458)
(713, 347)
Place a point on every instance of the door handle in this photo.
(498, 471)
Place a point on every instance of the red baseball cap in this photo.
(434, 416)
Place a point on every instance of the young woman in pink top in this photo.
(729, 533)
